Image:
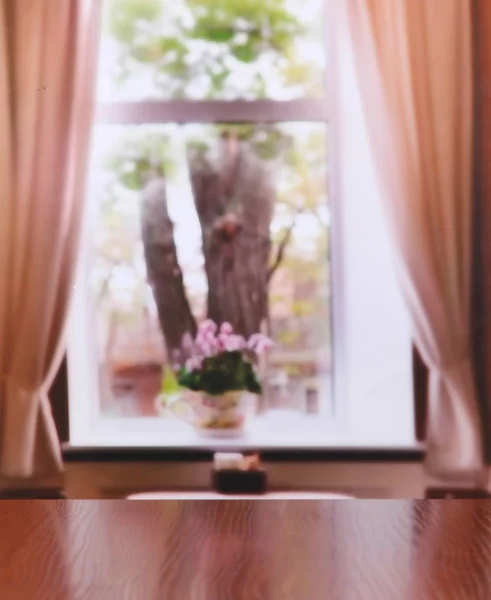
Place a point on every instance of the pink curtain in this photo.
(414, 69)
(47, 77)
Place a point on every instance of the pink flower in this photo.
(194, 363)
(264, 345)
(207, 327)
(206, 343)
(234, 343)
(226, 328)
(228, 341)
(222, 341)
(259, 343)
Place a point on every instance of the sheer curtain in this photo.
(414, 69)
(47, 77)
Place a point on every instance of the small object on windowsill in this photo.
(238, 474)
(312, 401)
(227, 460)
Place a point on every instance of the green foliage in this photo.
(185, 41)
(288, 337)
(224, 372)
(303, 308)
(126, 17)
(137, 156)
(268, 142)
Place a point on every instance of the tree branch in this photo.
(107, 280)
(280, 253)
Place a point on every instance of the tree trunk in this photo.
(234, 200)
(163, 269)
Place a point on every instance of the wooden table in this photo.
(250, 550)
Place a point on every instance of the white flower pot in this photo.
(223, 416)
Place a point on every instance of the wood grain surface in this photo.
(254, 550)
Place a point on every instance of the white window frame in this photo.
(360, 412)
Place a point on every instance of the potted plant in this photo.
(220, 372)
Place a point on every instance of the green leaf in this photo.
(252, 383)
(244, 53)
(131, 180)
(220, 36)
(125, 15)
(224, 372)
(191, 380)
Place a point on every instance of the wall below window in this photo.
(43, 486)
(364, 479)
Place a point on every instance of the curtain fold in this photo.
(414, 67)
(48, 52)
(482, 209)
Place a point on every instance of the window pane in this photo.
(260, 194)
(212, 49)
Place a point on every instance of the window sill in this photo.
(207, 495)
(408, 454)
(285, 430)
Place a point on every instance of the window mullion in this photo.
(171, 111)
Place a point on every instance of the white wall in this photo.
(363, 480)
(373, 323)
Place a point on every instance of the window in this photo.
(216, 115)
